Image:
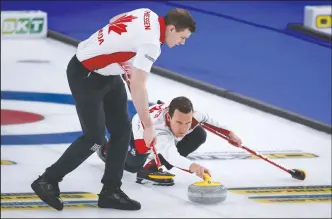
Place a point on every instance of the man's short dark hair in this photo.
(181, 19)
(183, 104)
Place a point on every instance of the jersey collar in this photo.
(162, 29)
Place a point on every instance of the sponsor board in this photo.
(7, 162)
(318, 18)
(23, 24)
(247, 156)
(30, 201)
(321, 189)
(296, 199)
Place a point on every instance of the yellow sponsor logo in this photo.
(7, 162)
(246, 156)
(12, 197)
(284, 155)
(46, 207)
(296, 199)
(282, 190)
(324, 21)
(29, 201)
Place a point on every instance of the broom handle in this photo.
(156, 158)
(244, 147)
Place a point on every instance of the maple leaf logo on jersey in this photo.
(119, 26)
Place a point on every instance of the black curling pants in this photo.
(101, 101)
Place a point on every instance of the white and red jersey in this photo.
(132, 39)
(166, 140)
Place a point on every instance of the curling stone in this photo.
(207, 191)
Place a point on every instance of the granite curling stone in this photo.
(207, 191)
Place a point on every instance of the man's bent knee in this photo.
(135, 162)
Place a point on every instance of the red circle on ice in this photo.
(11, 117)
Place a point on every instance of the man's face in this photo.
(180, 123)
(175, 38)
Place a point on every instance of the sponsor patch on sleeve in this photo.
(149, 57)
